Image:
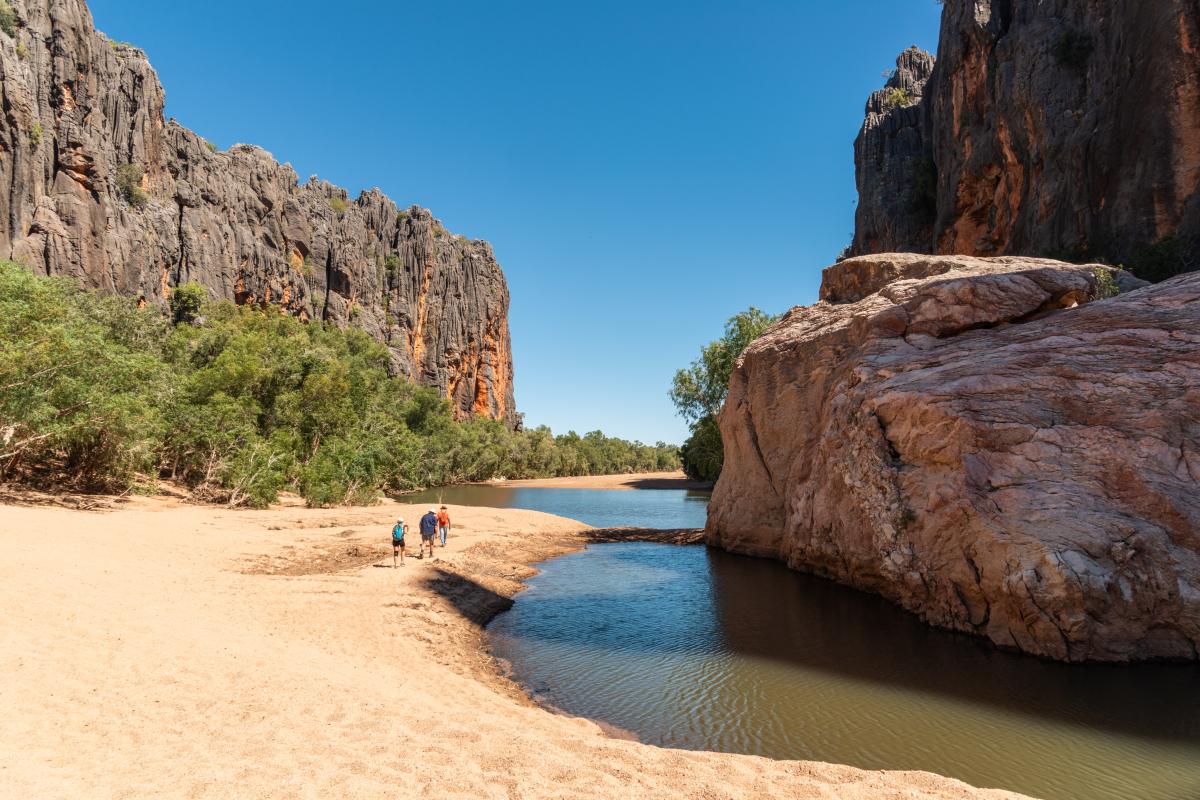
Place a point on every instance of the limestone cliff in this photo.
(1000, 445)
(1046, 127)
(94, 183)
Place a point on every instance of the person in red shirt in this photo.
(443, 524)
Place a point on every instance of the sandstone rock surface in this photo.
(988, 443)
(1046, 127)
(95, 184)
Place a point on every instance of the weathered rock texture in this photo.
(985, 443)
(893, 169)
(1067, 127)
(78, 108)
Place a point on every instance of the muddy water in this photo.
(695, 648)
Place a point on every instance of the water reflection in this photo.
(698, 648)
(601, 508)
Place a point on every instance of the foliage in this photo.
(338, 204)
(1073, 49)
(212, 147)
(703, 452)
(241, 404)
(392, 265)
(699, 390)
(898, 98)
(186, 301)
(35, 135)
(22, 51)
(1106, 285)
(9, 21)
(129, 184)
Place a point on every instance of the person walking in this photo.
(428, 531)
(398, 531)
(444, 524)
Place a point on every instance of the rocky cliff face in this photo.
(990, 443)
(1068, 127)
(94, 183)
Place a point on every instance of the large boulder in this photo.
(1001, 446)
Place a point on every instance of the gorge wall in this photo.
(1064, 128)
(96, 184)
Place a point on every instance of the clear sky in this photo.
(643, 168)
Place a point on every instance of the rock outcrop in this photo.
(1048, 127)
(1006, 447)
(95, 184)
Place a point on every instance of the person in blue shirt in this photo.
(429, 526)
(398, 531)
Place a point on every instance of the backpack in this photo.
(398, 531)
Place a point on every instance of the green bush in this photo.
(699, 391)
(703, 452)
(212, 147)
(98, 394)
(129, 185)
(339, 205)
(35, 135)
(898, 98)
(9, 21)
(186, 301)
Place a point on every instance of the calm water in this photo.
(601, 508)
(696, 648)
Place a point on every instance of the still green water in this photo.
(695, 648)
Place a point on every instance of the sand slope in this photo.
(167, 650)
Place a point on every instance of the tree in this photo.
(699, 391)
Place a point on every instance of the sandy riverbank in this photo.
(636, 480)
(172, 650)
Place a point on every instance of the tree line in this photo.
(241, 403)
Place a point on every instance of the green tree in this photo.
(186, 301)
(699, 390)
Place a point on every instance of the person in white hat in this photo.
(398, 531)
(429, 526)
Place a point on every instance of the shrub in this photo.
(1073, 49)
(35, 135)
(212, 148)
(898, 98)
(339, 205)
(703, 453)
(22, 51)
(1106, 285)
(129, 185)
(9, 21)
(186, 302)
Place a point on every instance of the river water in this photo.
(701, 649)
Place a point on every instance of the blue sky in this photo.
(643, 170)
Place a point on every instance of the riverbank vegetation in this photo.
(241, 403)
(699, 391)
